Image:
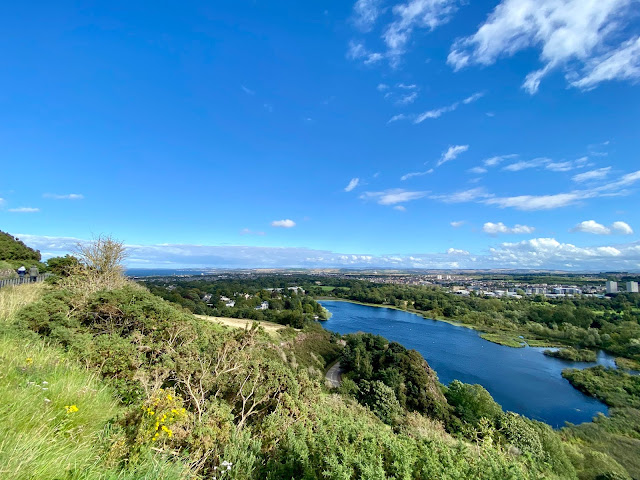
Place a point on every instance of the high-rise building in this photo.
(632, 287)
(612, 287)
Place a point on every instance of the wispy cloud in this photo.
(497, 160)
(411, 15)
(357, 51)
(365, 14)
(407, 99)
(452, 153)
(477, 170)
(382, 87)
(283, 223)
(395, 118)
(24, 210)
(407, 176)
(353, 183)
(464, 196)
(570, 34)
(248, 91)
(496, 228)
(457, 223)
(67, 196)
(618, 187)
(247, 231)
(591, 175)
(548, 164)
(438, 112)
(392, 196)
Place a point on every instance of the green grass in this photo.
(40, 438)
(627, 364)
(506, 340)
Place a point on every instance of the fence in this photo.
(19, 281)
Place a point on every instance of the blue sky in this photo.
(416, 133)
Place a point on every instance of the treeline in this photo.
(585, 322)
(393, 382)
(12, 248)
(286, 307)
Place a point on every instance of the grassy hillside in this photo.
(12, 248)
(118, 383)
(14, 253)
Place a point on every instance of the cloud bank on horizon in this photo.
(536, 253)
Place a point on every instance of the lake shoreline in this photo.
(500, 337)
(517, 378)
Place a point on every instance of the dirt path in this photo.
(334, 375)
(243, 323)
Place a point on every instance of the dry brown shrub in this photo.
(100, 268)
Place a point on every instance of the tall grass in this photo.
(55, 415)
(13, 299)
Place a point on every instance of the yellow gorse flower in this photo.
(71, 408)
(29, 361)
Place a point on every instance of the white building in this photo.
(612, 287)
(632, 287)
(230, 303)
(263, 306)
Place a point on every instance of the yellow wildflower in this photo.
(71, 408)
(29, 361)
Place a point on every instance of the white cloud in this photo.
(365, 14)
(248, 91)
(283, 223)
(68, 196)
(416, 174)
(569, 33)
(536, 202)
(414, 14)
(24, 210)
(622, 228)
(455, 251)
(357, 51)
(622, 63)
(452, 153)
(597, 174)
(496, 228)
(493, 161)
(457, 223)
(407, 99)
(537, 253)
(591, 226)
(524, 164)
(477, 170)
(405, 86)
(353, 183)
(438, 112)
(463, 196)
(400, 208)
(3, 202)
(392, 196)
(395, 118)
(544, 202)
(382, 87)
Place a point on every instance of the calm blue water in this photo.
(522, 380)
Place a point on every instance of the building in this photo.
(263, 306)
(632, 287)
(612, 287)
